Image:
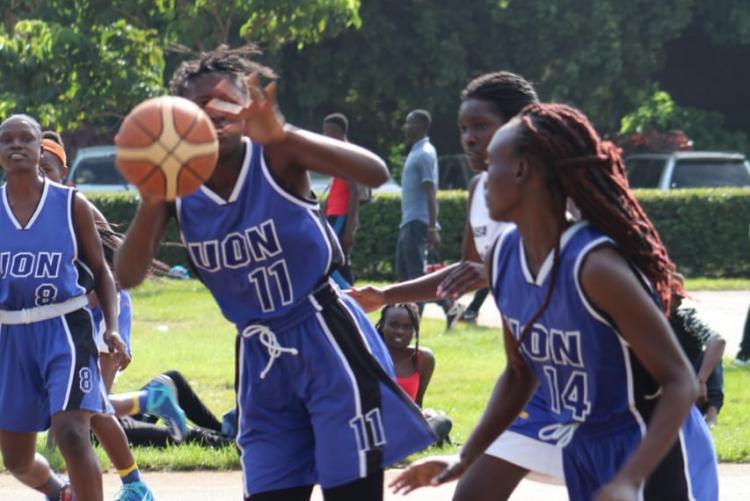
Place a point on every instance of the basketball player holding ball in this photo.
(49, 375)
(317, 400)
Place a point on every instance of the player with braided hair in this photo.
(584, 311)
(317, 403)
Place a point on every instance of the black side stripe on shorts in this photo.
(80, 326)
(667, 482)
(367, 371)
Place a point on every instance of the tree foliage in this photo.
(66, 76)
(706, 129)
(411, 53)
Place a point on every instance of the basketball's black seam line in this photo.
(148, 132)
(181, 136)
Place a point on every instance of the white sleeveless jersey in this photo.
(485, 230)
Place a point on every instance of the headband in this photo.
(57, 150)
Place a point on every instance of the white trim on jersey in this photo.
(74, 240)
(72, 346)
(576, 276)
(238, 184)
(495, 254)
(355, 387)
(683, 451)
(37, 210)
(326, 237)
(546, 267)
(238, 397)
(281, 191)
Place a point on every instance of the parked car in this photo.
(93, 169)
(687, 169)
(321, 183)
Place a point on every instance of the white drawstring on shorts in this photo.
(562, 433)
(268, 339)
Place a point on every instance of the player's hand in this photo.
(703, 393)
(263, 122)
(369, 298)
(117, 348)
(466, 277)
(347, 242)
(433, 238)
(428, 471)
(618, 490)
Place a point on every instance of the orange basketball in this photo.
(167, 147)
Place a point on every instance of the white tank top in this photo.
(484, 228)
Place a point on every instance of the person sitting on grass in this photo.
(704, 348)
(414, 365)
(141, 426)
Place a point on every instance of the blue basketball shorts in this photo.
(48, 367)
(687, 473)
(124, 322)
(330, 412)
(525, 444)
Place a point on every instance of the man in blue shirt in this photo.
(419, 209)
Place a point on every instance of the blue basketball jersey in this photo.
(261, 251)
(586, 371)
(39, 262)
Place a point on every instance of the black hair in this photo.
(53, 136)
(423, 116)
(508, 92)
(235, 63)
(413, 311)
(339, 120)
(23, 116)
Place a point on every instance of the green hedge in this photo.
(706, 231)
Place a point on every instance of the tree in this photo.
(409, 53)
(65, 76)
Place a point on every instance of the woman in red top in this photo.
(399, 324)
(414, 365)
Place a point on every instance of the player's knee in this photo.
(72, 435)
(19, 465)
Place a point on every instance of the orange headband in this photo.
(57, 150)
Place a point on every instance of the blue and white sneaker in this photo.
(161, 400)
(134, 491)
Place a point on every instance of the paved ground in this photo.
(220, 486)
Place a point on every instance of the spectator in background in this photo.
(704, 348)
(743, 357)
(419, 209)
(342, 206)
(414, 365)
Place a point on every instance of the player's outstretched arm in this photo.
(133, 258)
(106, 293)
(612, 287)
(420, 289)
(291, 151)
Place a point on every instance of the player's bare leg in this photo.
(22, 461)
(71, 429)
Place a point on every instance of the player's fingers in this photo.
(270, 92)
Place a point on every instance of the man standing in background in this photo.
(342, 206)
(419, 210)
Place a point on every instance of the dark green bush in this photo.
(706, 231)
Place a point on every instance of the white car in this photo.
(93, 170)
(687, 169)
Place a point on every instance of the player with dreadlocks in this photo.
(583, 307)
(487, 102)
(317, 400)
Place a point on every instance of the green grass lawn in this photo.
(178, 326)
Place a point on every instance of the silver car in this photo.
(688, 169)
